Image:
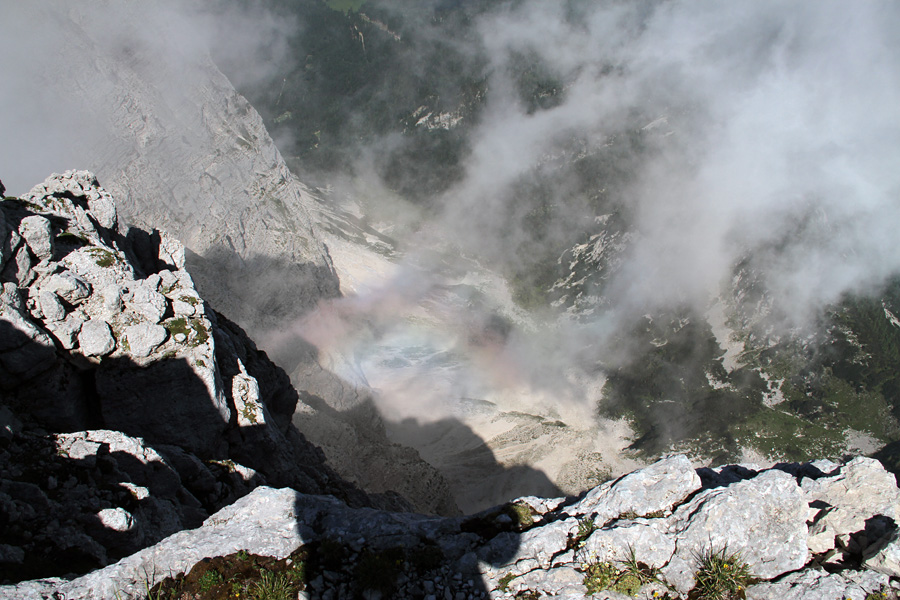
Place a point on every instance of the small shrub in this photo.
(104, 258)
(200, 332)
(885, 593)
(209, 580)
(176, 326)
(627, 578)
(522, 515)
(600, 576)
(503, 584)
(721, 575)
(192, 300)
(586, 526)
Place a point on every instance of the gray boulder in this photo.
(38, 235)
(68, 286)
(95, 338)
(650, 490)
(51, 308)
(813, 584)
(262, 522)
(147, 302)
(144, 338)
(844, 501)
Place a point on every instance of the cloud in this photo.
(767, 125)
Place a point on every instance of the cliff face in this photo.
(125, 398)
(182, 150)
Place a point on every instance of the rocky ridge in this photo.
(819, 530)
(130, 409)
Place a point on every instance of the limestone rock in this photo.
(764, 518)
(25, 350)
(18, 266)
(844, 501)
(66, 332)
(96, 338)
(111, 297)
(118, 520)
(884, 557)
(760, 516)
(164, 401)
(646, 538)
(68, 286)
(182, 157)
(245, 394)
(261, 523)
(143, 464)
(81, 351)
(820, 585)
(9, 424)
(144, 338)
(37, 233)
(651, 490)
(148, 303)
(4, 233)
(51, 308)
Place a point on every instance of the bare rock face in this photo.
(181, 150)
(530, 547)
(764, 516)
(134, 410)
(92, 299)
(843, 502)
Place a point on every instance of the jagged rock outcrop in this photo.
(130, 409)
(664, 517)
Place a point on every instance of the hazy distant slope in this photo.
(183, 151)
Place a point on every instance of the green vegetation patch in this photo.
(103, 257)
(238, 575)
(515, 517)
(192, 300)
(503, 584)
(586, 526)
(625, 577)
(193, 329)
(777, 433)
(176, 326)
(605, 576)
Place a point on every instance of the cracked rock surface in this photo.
(534, 546)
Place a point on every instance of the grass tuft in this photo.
(271, 586)
(721, 575)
